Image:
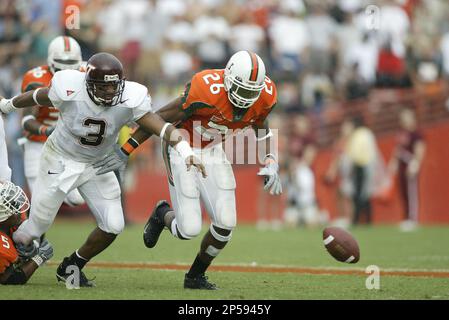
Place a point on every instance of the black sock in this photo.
(198, 267)
(163, 211)
(77, 260)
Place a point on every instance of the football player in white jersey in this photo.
(5, 171)
(64, 53)
(93, 107)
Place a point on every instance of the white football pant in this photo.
(59, 175)
(217, 191)
(32, 153)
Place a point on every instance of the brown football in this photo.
(341, 245)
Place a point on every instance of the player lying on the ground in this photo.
(13, 203)
(39, 122)
(214, 102)
(93, 107)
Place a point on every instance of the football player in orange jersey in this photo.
(64, 53)
(214, 102)
(13, 203)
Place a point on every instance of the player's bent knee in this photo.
(226, 214)
(114, 225)
(190, 231)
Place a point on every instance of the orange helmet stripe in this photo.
(66, 44)
(254, 67)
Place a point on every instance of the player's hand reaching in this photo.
(116, 160)
(6, 105)
(45, 253)
(272, 179)
(194, 161)
(26, 251)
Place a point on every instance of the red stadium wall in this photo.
(434, 193)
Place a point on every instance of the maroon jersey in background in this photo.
(406, 142)
(408, 186)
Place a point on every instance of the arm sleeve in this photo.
(143, 108)
(54, 93)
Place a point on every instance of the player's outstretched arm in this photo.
(153, 123)
(25, 100)
(150, 124)
(171, 112)
(21, 274)
(264, 138)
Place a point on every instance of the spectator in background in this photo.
(246, 34)
(289, 53)
(302, 205)
(426, 62)
(355, 86)
(322, 33)
(363, 154)
(338, 176)
(406, 163)
(363, 53)
(176, 63)
(391, 68)
(394, 27)
(212, 31)
(316, 88)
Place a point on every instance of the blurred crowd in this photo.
(317, 51)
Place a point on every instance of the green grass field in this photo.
(384, 246)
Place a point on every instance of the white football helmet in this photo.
(244, 78)
(64, 53)
(13, 201)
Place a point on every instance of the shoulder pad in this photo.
(134, 94)
(68, 84)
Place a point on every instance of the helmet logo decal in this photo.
(111, 77)
(254, 66)
(89, 68)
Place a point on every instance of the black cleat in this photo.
(62, 274)
(155, 224)
(199, 282)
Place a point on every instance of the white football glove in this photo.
(272, 178)
(115, 160)
(6, 106)
(45, 253)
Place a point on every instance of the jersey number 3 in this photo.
(94, 139)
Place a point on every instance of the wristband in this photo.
(271, 157)
(129, 146)
(184, 149)
(6, 105)
(26, 118)
(268, 135)
(35, 96)
(38, 260)
(164, 128)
